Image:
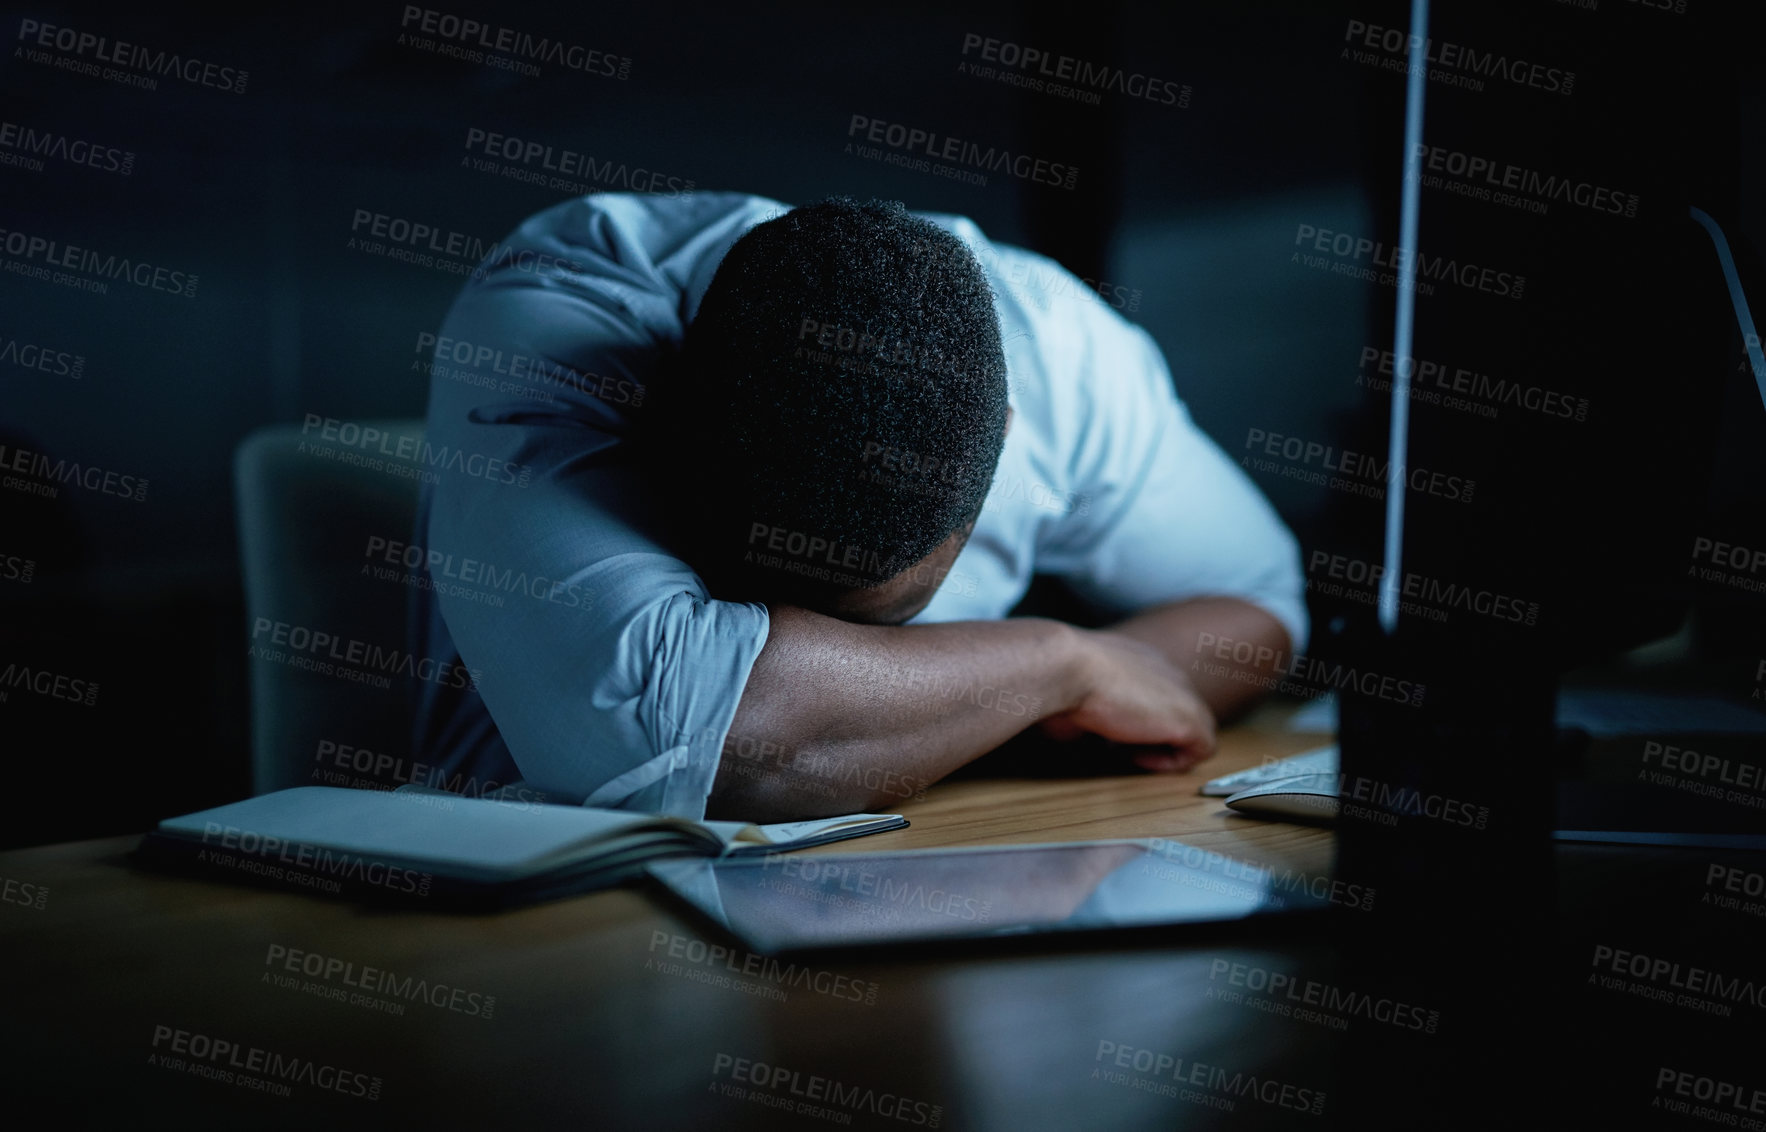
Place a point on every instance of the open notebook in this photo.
(420, 844)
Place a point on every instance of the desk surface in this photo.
(609, 1011)
(995, 811)
(600, 1007)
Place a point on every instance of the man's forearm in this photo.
(838, 717)
(1229, 686)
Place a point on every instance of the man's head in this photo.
(842, 400)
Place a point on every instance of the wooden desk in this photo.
(609, 1011)
(601, 1015)
(996, 811)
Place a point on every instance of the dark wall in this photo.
(1184, 214)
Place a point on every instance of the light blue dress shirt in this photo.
(610, 673)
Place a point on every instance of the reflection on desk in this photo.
(204, 1004)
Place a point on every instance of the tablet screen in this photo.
(787, 902)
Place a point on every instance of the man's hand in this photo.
(1133, 695)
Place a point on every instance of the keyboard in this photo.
(1320, 760)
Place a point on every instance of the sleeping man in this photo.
(793, 468)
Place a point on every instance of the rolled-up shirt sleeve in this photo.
(1160, 513)
(609, 671)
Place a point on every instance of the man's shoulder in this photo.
(639, 253)
(1068, 347)
(1028, 282)
(655, 225)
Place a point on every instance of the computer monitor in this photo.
(1557, 372)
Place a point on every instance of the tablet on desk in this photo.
(791, 902)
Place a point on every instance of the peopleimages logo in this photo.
(1446, 62)
(1720, 1102)
(858, 343)
(208, 1055)
(770, 1079)
(63, 471)
(510, 372)
(1742, 891)
(23, 893)
(47, 683)
(813, 556)
(1016, 62)
(1432, 598)
(1511, 185)
(1728, 563)
(1308, 1000)
(505, 48)
(908, 470)
(31, 145)
(1319, 676)
(910, 142)
(1387, 802)
(700, 957)
(1343, 469)
(1401, 263)
(1674, 983)
(17, 568)
(831, 882)
(467, 579)
(412, 450)
(79, 46)
(372, 980)
(43, 359)
(979, 693)
(760, 758)
(1211, 1086)
(359, 768)
(53, 253)
(556, 167)
(1199, 868)
(330, 655)
(1036, 282)
(422, 244)
(1685, 769)
(308, 865)
(1437, 383)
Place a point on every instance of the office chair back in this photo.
(325, 612)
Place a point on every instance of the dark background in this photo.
(1193, 208)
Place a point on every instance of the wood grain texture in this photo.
(603, 1017)
(996, 811)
